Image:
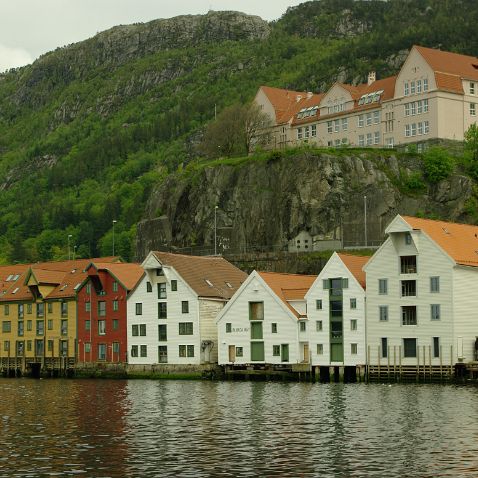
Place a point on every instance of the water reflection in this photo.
(198, 429)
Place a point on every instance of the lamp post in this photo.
(114, 222)
(365, 218)
(74, 252)
(69, 237)
(215, 230)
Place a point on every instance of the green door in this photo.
(256, 330)
(284, 352)
(336, 342)
(257, 351)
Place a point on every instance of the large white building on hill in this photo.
(433, 97)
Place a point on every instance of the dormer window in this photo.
(159, 271)
(472, 88)
(408, 238)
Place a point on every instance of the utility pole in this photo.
(365, 218)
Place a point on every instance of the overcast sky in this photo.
(29, 28)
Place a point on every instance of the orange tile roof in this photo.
(196, 270)
(129, 274)
(288, 286)
(65, 274)
(450, 64)
(286, 104)
(355, 265)
(459, 241)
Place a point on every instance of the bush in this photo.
(438, 164)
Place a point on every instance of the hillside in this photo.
(89, 130)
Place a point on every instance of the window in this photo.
(353, 349)
(472, 88)
(419, 128)
(64, 327)
(143, 350)
(174, 285)
(436, 347)
(40, 327)
(87, 306)
(142, 330)
(419, 107)
(426, 127)
(29, 308)
(408, 264)
(407, 109)
(163, 354)
(159, 272)
(360, 122)
(383, 312)
(299, 133)
(115, 324)
(239, 352)
(50, 345)
(412, 87)
(320, 349)
(435, 311)
(376, 117)
(390, 143)
(425, 106)
(337, 142)
(162, 310)
(353, 324)
(329, 127)
(40, 309)
(50, 307)
(139, 308)
(50, 324)
(149, 287)
(409, 315)
(407, 130)
(116, 347)
(406, 88)
(274, 328)
(413, 108)
(185, 307)
(345, 124)
(409, 348)
(383, 286)
(29, 345)
(29, 325)
(419, 86)
(473, 109)
(162, 290)
(185, 328)
(353, 303)
(115, 286)
(369, 119)
(162, 333)
(413, 127)
(134, 330)
(361, 140)
(256, 330)
(256, 310)
(6, 346)
(336, 126)
(87, 325)
(336, 308)
(302, 326)
(228, 327)
(134, 351)
(408, 238)
(376, 137)
(318, 325)
(435, 284)
(186, 350)
(20, 311)
(276, 350)
(101, 308)
(20, 328)
(64, 309)
(313, 130)
(6, 326)
(384, 346)
(369, 139)
(409, 288)
(101, 327)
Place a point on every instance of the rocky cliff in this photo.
(265, 202)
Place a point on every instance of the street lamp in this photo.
(114, 222)
(69, 237)
(215, 230)
(365, 218)
(74, 252)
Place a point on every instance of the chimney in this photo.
(372, 76)
(309, 95)
(298, 98)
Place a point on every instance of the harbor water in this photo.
(142, 428)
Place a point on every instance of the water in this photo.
(106, 428)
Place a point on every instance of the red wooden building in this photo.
(102, 311)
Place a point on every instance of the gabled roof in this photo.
(288, 287)
(459, 241)
(450, 67)
(65, 275)
(355, 265)
(286, 103)
(129, 274)
(208, 276)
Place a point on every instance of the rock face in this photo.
(263, 204)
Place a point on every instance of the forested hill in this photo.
(89, 129)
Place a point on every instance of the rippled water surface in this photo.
(179, 428)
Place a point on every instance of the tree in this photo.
(471, 143)
(235, 131)
(438, 164)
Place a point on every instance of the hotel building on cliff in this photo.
(433, 98)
